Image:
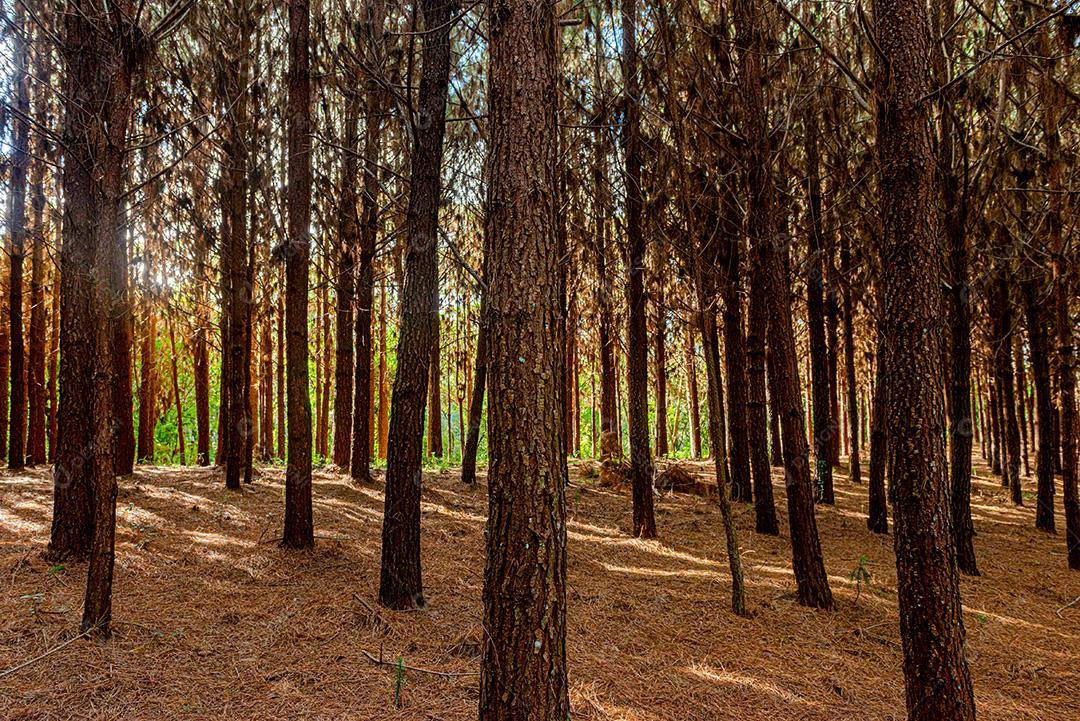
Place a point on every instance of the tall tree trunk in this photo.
(851, 380)
(360, 458)
(809, 566)
(692, 393)
(710, 342)
(400, 584)
(476, 404)
(299, 529)
(384, 405)
(878, 512)
(735, 364)
(523, 671)
(757, 409)
(20, 161)
(36, 450)
(345, 281)
(1001, 342)
(434, 411)
(147, 382)
(660, 362)
(637, 379)
(1039, 342)
(937, 681)
(176, 397)
(820, 354)
(200, 352)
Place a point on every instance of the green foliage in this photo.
(399, 681)
(860, 575)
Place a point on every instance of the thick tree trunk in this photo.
(400, 584)
(937, 681)
(757, 410)
(523, 671)
(637, 379)
(299, 529)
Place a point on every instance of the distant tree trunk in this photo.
(820, 353)
(200, 352)
(878, 518)
(660, 362)
(53, 362)
(692, 394)
(434, 412)
(384, 405)
(36, 449)
(299, 529)
(937, 681)
(1002, 316)
(281, 402)
(400, 584)
(123, 325)
(148, 384)
(176, 397)
(20, 161)
(1038, 342)
(832, 316)
(266, 389)
(1021, 398)
(637, 381)
(476, 405)
(710, 342)
(735, 364)
(360, 457)
(809, 566)
(851, 380)
(775, 450)
(523, 671)
(996, 461)
(345, 281)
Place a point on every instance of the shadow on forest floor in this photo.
(214, 621)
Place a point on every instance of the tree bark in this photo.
(299, 528)
(400, 584)
(523, 671)
(345, 280)
(809, 567)
(637, 379)
(937, 681)
(20, 161)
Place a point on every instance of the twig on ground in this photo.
(1070, 604)
(417, 669)
(50, 652)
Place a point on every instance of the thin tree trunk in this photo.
(176, 398)
(400, 584)
(809, 566)
(735, 363)
(637, 380)
(692, 393)
(20, 161)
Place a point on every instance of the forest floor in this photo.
(213, 621)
